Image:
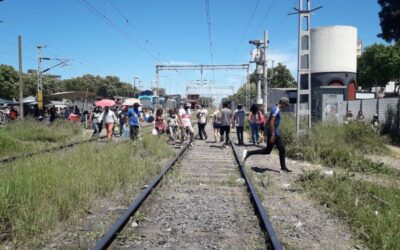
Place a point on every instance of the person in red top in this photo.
(13, 113)
(159, 123)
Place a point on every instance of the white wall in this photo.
(334, 49)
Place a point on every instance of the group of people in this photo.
(178, 125)
(349, 117)
(225, 119)
(10, 112)
(124, 121)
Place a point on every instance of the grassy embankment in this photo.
(30, 136)
(372, 211)
(39, 193)
(334, 145)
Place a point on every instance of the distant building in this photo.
(192, 99)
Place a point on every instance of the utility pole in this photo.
(21, 81)
(258, 58)
(134, 85)
(40, 84)
(265, 69)
(303, 107)
(40, 72)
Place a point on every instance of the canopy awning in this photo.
(72, 95)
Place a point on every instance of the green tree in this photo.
(376, 67)
(8, 82)
(390, 20)
(281, 77)
(247, 88)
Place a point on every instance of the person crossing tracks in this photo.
(273, 135)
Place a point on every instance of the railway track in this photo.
(48, 150)
(54, 149)
(208, 203)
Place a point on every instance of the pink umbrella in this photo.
(105, 102)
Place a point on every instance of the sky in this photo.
(141, 34)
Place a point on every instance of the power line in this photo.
(16, 56)
(264, 18)
(245, 30)
(277, 29)
(115, 27)
(208, 14)
(36, 42)
(126, 19)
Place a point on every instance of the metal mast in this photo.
(303, 107)
(40, 85)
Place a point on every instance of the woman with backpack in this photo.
(217, 121)
(172, 123)
(159, 123)
(254, 120)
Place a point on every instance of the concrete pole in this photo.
(134, 87)
(265, 71)
(40, 85)
(21, 81)
(259, 76)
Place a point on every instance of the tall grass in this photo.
(391, 127)
(40, 192)
(372, 211)
(336, 145)
(30, 135)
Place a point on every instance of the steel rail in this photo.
(258, 206)
(49, 150)
(112, 233)
(53, 149)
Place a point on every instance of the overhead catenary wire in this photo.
(208, 14)
(115, 27)
(264, 18)
(246, 30)
(145, 39)
(277, 29)
(48, 47)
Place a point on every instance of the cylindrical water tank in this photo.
(334, 49)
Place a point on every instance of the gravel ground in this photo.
(299, 222)
(203, 205)
(391, 160)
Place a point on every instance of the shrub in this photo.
(391, 127)
(335, 145)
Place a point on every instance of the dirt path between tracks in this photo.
(299, 222)
(204, 205)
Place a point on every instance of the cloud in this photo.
(287, 58)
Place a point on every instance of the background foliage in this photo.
(107, 86)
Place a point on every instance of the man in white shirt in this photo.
(202, 122)
(185, 123)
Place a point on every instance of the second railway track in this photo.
(210, 203)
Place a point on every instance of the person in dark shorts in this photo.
(239, 117)
(216, 118)
(134, 118)
(226, 122)
(273, 135)
(202, 122)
